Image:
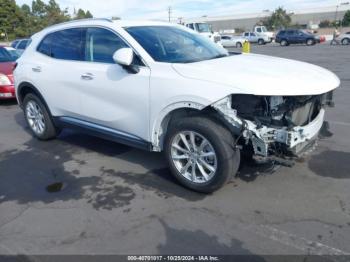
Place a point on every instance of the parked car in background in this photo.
(20, 45)
(261, 31)
(296, 36)
(12, 51)
(162, 87)
(232, 41)
(205, 30)
(344, 39)
(7, 65)
(254, 38)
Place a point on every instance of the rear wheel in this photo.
(345, 41)
(261, 42)
(201, 154)
(239, 45)
(38, 118)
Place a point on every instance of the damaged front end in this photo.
(276, 127)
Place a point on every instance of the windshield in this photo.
(172, 44)
(5, 56)
(203, 28)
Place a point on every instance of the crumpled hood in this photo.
(262, 75)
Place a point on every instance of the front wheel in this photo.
(201, 154)
(345, 41)
(239, 45)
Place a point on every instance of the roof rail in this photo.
(82, 20)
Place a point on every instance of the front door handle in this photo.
(36, 69)
(87, 76)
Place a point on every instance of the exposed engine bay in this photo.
(275, 125)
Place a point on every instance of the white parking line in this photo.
(310, 247)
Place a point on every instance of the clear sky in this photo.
(157, 9)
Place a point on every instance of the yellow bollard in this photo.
(246, 47)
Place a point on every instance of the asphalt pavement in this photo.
(83, 195)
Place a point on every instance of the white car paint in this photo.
(137, 104)
(254, 38)
(232, 41)
(262, 32)
(283, 77)
(344, 38)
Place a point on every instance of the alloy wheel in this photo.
(35, 117)
(194, 157)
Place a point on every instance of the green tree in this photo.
(26, 20)
(10, 18)
(54, 14)
(325, 24)
(38, 8)
(279, 19)
(346, 19)
(88, 14)
(80, 14)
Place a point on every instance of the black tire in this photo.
(239, 45)
(345, 41)
(261, 42)
(310, 42)
(50, 131)
(284, 42)
(228, 157)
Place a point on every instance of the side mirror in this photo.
(124, 56)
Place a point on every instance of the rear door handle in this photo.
(87, 76)
(36, 69)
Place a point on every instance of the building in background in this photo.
(307, 18)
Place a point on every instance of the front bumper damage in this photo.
(272, 143)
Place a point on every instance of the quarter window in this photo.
(68, 44)
(45, 45)
(101, 44)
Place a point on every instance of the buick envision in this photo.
(163, 87)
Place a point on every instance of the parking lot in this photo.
(84, 195)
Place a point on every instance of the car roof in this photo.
(103, 22)
(119, 23)
(20, 39)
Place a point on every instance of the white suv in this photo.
(162, 87)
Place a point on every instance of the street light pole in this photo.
(169, 12)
